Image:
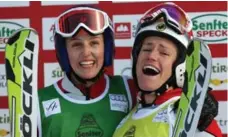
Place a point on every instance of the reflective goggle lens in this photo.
(93, 20)
(174, 15)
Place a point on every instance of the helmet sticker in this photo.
(161, 26)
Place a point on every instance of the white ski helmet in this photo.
(169, 21)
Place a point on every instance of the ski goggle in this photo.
(174, 17)
(93, 20)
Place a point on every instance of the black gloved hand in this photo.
(209, 111)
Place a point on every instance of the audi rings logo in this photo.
(118, 97)
(118, 102)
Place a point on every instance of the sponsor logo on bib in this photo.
(118, 102)
(130, 132)
(51, 107)
(88, 127)
(161, 116)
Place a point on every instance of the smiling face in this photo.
(155, 61)
(86, 54)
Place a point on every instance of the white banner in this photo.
(8, 26)
(3, 88)
(47, 29)
(219, 79)
(122, 67)
(125, 27)
(4, 123)
(52, 73)
(14, 4)
(222, 118)
(210, 26)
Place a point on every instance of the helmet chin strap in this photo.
(163, 88)
(85, 81)
(158, 92)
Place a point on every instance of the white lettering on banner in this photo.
(47, 29)
(122, 67)
(8, 27)
(212, 27)
(219, 71)
(4, 123)
(50, 3)
(52, 73)
(3, 91)
(14, 4)
(222, 116)
(129, 24)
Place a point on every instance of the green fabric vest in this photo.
(98, 118)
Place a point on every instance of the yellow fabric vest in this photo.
(148, 122)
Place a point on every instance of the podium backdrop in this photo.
(210, 23)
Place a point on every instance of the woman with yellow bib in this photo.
(163, 35)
